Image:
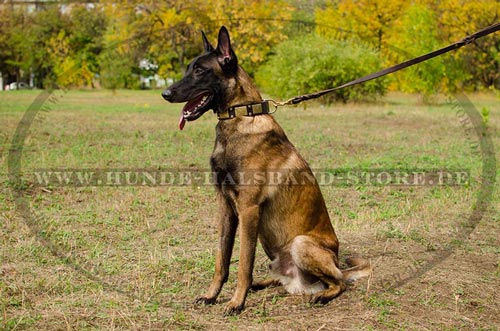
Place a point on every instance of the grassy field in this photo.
(135, 257)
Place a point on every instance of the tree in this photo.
(73, 51)
(481, 60)
(117, 70)
(125, 43)
(369, 20)
(15, 49)
(256, 27)
(416, 27)
(417, 33)
(86, 30)
(68, 68)
(45, 26)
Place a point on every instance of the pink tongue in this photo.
(182, 121)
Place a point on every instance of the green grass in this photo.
(134, 258)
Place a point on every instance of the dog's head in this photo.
(207, 80)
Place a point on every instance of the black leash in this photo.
(467, 40)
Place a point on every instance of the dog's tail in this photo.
(358, 268)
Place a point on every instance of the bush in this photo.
(311, 63)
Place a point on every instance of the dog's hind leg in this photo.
(311, 257)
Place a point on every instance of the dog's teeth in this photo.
(198, 106)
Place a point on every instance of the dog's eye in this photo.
(198, 71)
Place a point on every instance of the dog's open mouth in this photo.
(195, 108)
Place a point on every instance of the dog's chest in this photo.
(224, 164)
(217, 159)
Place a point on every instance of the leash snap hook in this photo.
(275, 106)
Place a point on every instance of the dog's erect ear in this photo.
(227, 58)
(206, 44)
(224, 44)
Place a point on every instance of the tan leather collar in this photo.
(245, 110)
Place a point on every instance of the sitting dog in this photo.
(289, 215)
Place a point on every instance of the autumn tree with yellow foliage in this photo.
(168, 32)
(401, 30)
(368, 20)
(482, 58)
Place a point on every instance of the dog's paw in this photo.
(205, 301)
(320, 299)
(233, 309)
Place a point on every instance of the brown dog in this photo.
(263, 186)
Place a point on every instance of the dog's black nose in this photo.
(167, 95)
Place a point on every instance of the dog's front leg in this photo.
(228, 222)
(248, 223)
